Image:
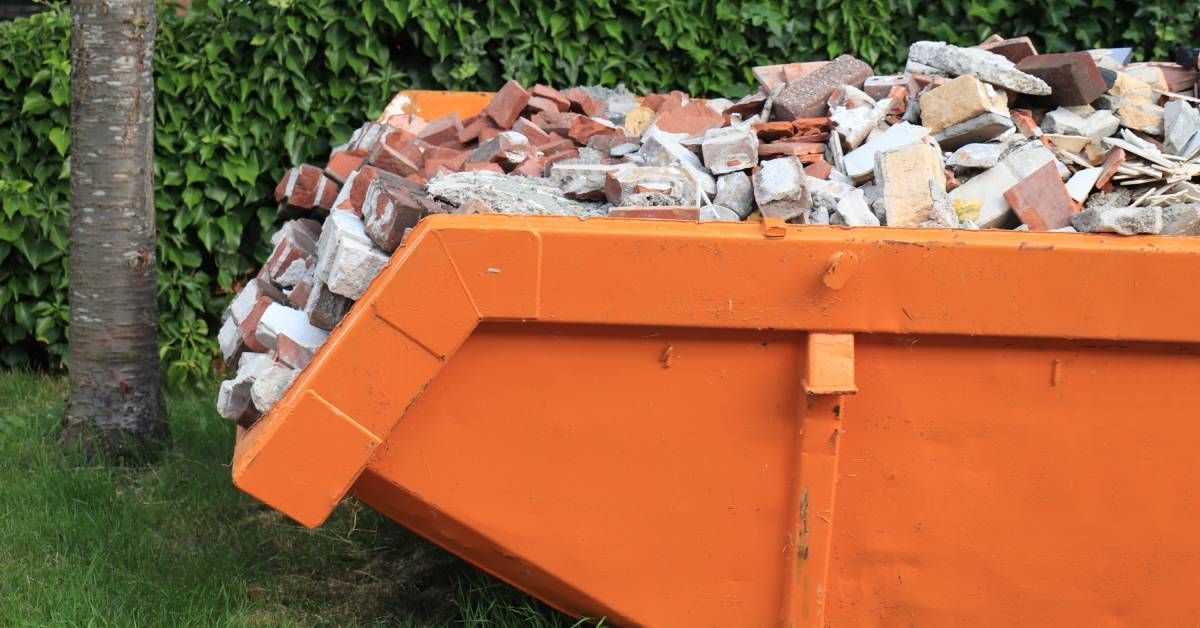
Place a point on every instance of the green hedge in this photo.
(247, 88)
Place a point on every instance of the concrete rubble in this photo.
(995, 136)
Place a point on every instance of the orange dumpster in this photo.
(681, 424)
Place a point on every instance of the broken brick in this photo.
(808, 96)
(583, 128)
(506, 106)
(551, 94)
(306, 187)
(387, 212)
(1014, 49)
(1073, 77)
(533, 132)
(1112, 162)
(538, 104)
(581, 102)
(692, 119)
(1041, 200)
(768, 76)
(341, 164)
(559, 123)
(442, 131)
(400, 162)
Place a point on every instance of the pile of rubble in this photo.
(994, 136)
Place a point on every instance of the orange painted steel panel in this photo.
(648, 421)
(431, 104)
(681, 424)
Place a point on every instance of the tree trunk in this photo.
(115, 409)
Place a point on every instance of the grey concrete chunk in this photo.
(717, 213)
(508, 195)
(270, 385)
(730, 149)
(1181, 122)
(981, 128)
(983, 65)
(780, 189)
(1069, 121)
(1181, 219)
(735, 191)
(860, 162)
(976, 156)
(581, 181)
(347, 261)
(1122, 220)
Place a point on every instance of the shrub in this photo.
(248, 88)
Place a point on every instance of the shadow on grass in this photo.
(176, 544)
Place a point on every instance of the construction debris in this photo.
(996, 136)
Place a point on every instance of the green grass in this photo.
(175, 544)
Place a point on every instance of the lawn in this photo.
(176, 544)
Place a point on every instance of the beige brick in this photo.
(955, 101)
(904, 174)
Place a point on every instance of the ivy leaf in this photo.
(61, 138)
(35, 104)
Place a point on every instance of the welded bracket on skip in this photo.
(828, 381)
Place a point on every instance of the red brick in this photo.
(407, 122)
(249, 326)
(607, 142)
(558, 145)
(551, 158)
(658, 213)
(485, 166)
(559, 123)
(899, 96)
(771, 131)
(1013, 49)
(442, 131)
(583, 128)
(341, 164)
(399, 138)
(299, 295)
(1112, 162)
(1073, 76)
(291, 353)
(508, 149)
(749, 105)
(820, 169)
(388, 212)
(532, 167)
(693, 119)
(582, 103)
(1023, 119)
(537, 104)
(299, 243)
(536, 135)
(768, 76)
(783, 149)
(1041, 200)
(367, 137)
(306, 187)
(401, 162)
(653, 101)
(507, 104)
(551, 94)
(808, 96)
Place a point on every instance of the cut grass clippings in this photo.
(176, 544)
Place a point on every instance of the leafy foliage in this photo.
(247, 88)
